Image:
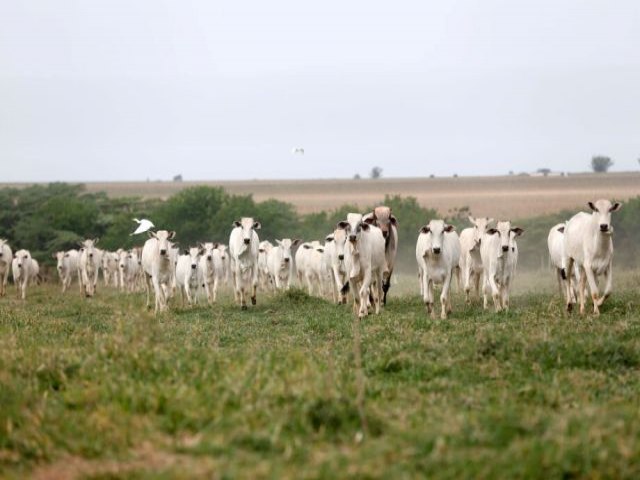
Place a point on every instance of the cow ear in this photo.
(236, 223)
(615, 207)
(492, 231)
(306, 246)
(96, 240)
(425, 229)
(393, 220)
(216, 245)
(592, 206)
(172, 234)
(257, 226)
(321, 250)
(369, 220)
(279, 242)
(449, 228)
(151, 234)
(342, 225)
(561, 229)
(365, 227)
(328, 238)
(472, 220)
(518, 231)
(295, 241)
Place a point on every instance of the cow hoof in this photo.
(253, 300)
(244, 307)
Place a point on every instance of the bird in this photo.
(143, 226)
(297, 151)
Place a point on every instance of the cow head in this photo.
(286, 244)
(248, 225)
(59, 256)
(435, 231)
(339, 238)
(194, 256)
(2, 243)
(601, 211)
(207, 250)
(89, 247)
(480, 226)
(264, 247)
(382, 218)
(507, 235)
(353, 227)
(22, 257)
(122, 259)
(222, 249)
(164, 244)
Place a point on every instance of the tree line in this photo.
(48, 218)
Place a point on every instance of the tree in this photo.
(601, 163)
(376, 172)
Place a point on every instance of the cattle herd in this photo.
(357, 258)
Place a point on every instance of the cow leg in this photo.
(212, 291)
(582, 289)
(593, 286)
(254, 284)
(486, 290)
(444, 296)
(477, 276)
(466, 282)
(608, 274)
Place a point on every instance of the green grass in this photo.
(101, 388)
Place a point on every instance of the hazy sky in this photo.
(136, 89)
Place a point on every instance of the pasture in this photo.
(100, 388)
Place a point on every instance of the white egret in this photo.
(143, 226)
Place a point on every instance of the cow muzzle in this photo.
(604, 227)
(247, 241)
(505, 248)
(340, 257)
(163, 252)
(193, 266)
(209, 257)
(352, 238)
(436, 250)
(287, 260)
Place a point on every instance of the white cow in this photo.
(382, 218)
(280, 263)
(367, 262)
(110, 261)
(158, 267)
(89, 265)
(499, 252)
(243, 248)
(470, 260)
(68, 267)
(24, 269)
(129, 267)
(314, 266)
(207, 270)
(6, 257)
(438, 255)
(188, 275)
(263, 265)
(335, 247)
(300, 259)
(224, 257)
(555, 242)
(589, 247)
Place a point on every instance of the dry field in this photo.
(504, 196)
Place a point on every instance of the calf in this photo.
(158, 267)
(243, 247)
(314, 267)
(129, 267)
(208, 272)
(365, 249)
(335, 265)
(280, 263)
(470, 260)
(110, 261)
(89, 264)
(382, 218)
(438, 255)
(24, 270)
(6, 257)
(264, 278)
(588, 245)
(188, 275)
(68, 267)
(499, 253)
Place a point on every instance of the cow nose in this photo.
(340, 257)
(193, 266)
(286, 260)
(224, 258)
(163, 252)
(91, 255)
(208, 257)
(436, 250)
(385, 234)
(505, 248)
(604, 227)
(247, 241)
(352, 238)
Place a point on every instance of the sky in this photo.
(146, 89)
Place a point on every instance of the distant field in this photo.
(505, 196)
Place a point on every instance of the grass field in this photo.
(101, 389)
(505, 196)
